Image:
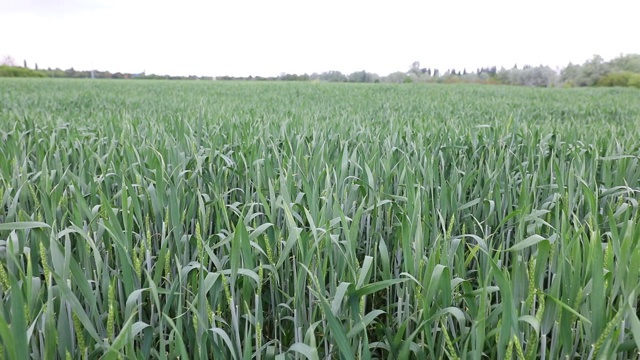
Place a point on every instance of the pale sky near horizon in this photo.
(266, 38)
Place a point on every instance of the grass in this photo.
(303, 221)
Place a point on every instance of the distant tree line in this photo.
(71, 73)
(14, 71)
(8, 68)
(621, 71)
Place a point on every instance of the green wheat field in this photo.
(248, 220)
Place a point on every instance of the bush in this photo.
(634, 81)
(623, 78)
(14, 71)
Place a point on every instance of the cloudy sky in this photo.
(266, 38)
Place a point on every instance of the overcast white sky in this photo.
(266, 38)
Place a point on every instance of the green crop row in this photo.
(163, 220)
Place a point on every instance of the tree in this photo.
(592, 70)
(570, 74)
(397, 77)
(415, 68)
(8, 60)
(540, 76)
(332, 76)
(363, 77)
(630, 63)
(503, 76)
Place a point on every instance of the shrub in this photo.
(634, 81)
(622, 78)
(14, 71)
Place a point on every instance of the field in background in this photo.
(281, 220)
